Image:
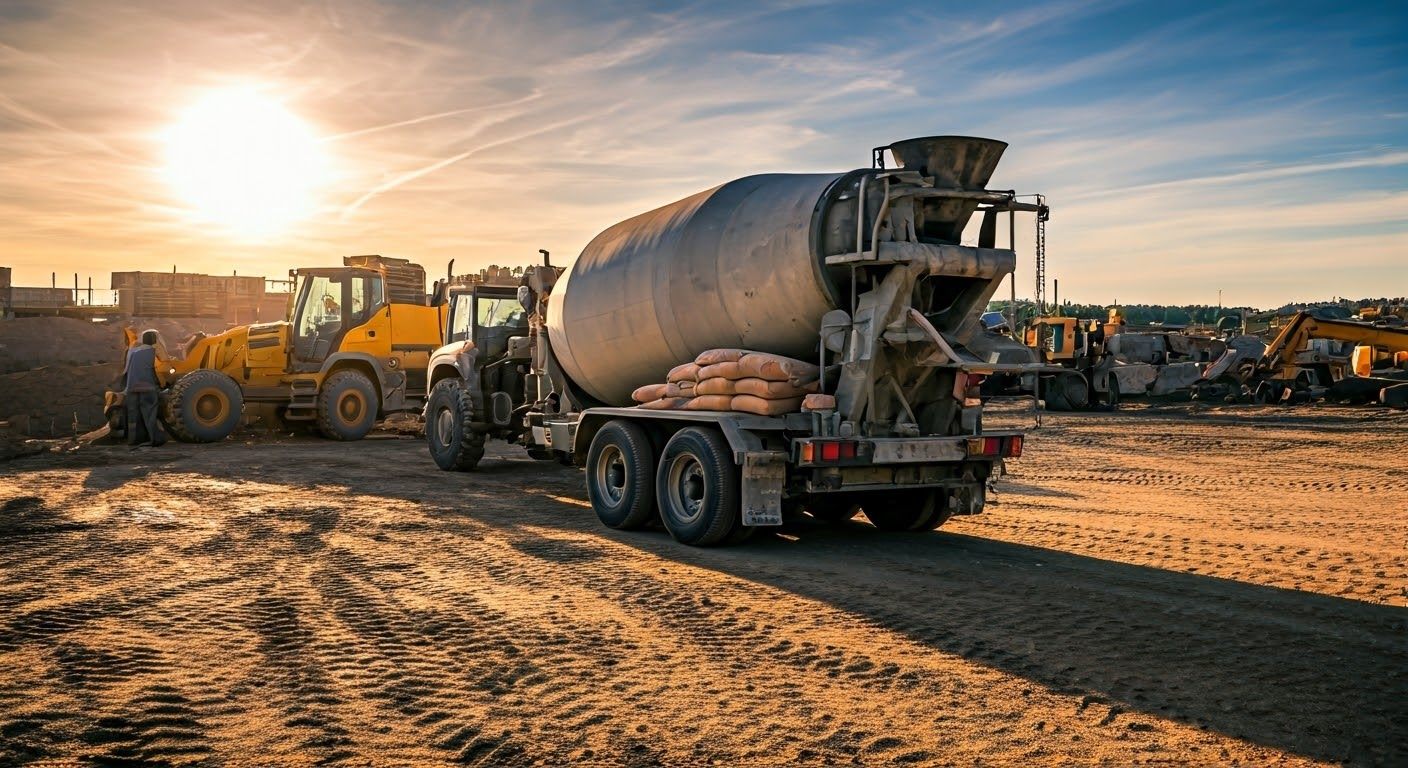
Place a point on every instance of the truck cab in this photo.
(477, 379)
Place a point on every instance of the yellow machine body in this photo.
(355, 347)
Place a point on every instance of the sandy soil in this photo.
(1166, 586)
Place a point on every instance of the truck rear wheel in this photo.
(203, 406)
(621, 476)
(918, 509)
(833, 507)
(697, 487)
(347, 406)
(449, 413)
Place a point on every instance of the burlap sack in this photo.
(819, 403)
(709, 403)
(715, 387)
(777, 368)
(680, 389)
(685, 372)
(711, 356)
(649, 392)
(666, 404)
(771, 390)
(730, 371)
(755, 404)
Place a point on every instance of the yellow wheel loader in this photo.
(355, 346)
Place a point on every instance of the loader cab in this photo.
(1055, 338)
(330, 303)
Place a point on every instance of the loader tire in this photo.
(203, 406)
(449, 414)
(347, 406)
(1053, 395)
(1076, 390)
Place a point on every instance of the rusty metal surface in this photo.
(756, 262)
(733, 266)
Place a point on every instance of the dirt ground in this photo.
(1174, 585)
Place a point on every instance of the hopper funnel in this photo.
(963, 162)
(966, 162)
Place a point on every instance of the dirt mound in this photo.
(33, 342)
(57, 400)
(54, 370)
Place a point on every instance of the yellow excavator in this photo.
(355, 346)
(1291, 364)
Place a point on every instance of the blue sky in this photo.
(1259, 149)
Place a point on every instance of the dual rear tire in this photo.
(693, 489)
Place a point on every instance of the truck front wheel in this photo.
(449, 413)
(697, 487)
(621, 476)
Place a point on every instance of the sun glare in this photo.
(242, 160)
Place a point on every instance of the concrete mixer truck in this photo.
(862, 273)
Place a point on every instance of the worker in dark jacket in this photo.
(140, 387)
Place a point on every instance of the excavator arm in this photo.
(1281, 354)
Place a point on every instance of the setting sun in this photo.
(242, 160)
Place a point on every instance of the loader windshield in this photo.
(328, 305)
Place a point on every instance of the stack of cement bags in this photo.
(733, 380)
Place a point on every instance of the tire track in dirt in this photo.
(415, 616)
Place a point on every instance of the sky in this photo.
(1252, 153)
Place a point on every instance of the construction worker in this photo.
(140, 387)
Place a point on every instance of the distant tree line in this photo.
(1195, 314)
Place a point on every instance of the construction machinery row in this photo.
(863, 272)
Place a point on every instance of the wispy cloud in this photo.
(1176, 145)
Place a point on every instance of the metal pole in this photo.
(1012, 243)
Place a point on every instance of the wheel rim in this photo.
(210, 407)
(611, 474)
(687, 488)
(444, 427)
(351, 407)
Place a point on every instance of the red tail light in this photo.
(984, 446)
(829, 451)
(1014, 447)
